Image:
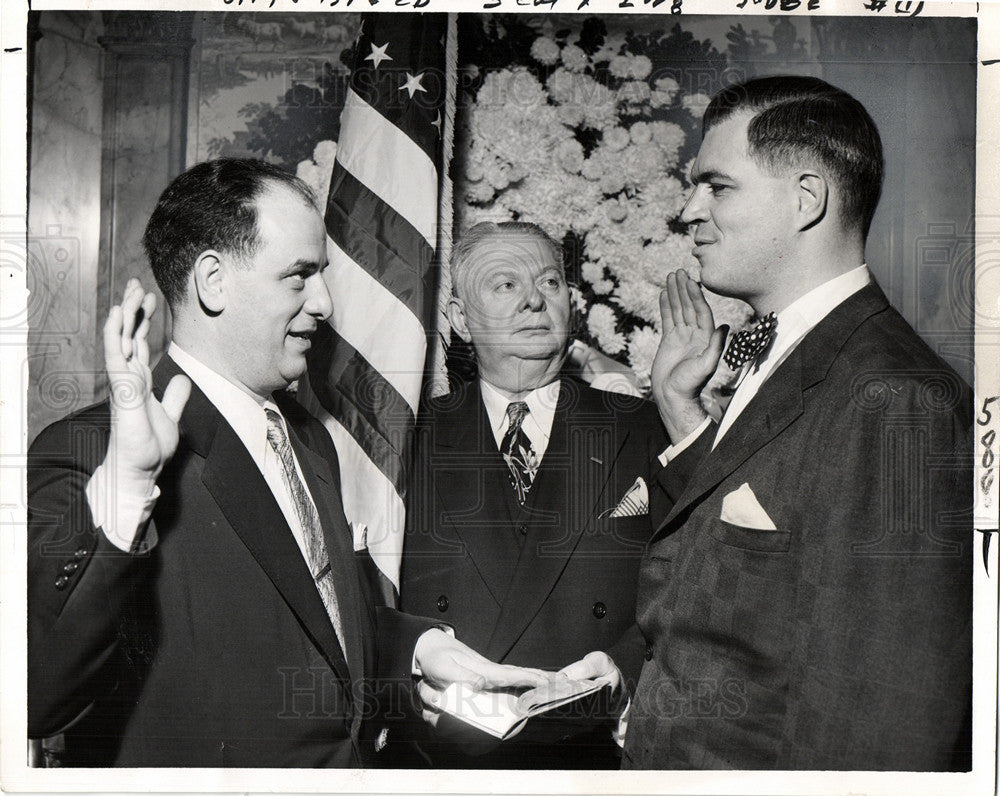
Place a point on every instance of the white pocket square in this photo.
(360, 532)
(742, 508)
(635, 502)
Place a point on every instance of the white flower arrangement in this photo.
(603, 325)
(696, 104)
(573, 58)
(316, 173)
(545, 51)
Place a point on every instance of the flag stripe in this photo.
(387, 161)
(381, 217)
(377, 238)
(363, 316)
(379, 502)
(366, 404)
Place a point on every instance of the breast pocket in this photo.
(762, 541)
(630, 533)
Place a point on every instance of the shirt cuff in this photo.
(618, 733)
(121, 507)
(414, 669)
(673, 451)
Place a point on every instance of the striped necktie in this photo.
(312, 530)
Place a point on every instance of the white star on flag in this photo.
(437, 123)
(378, 54)
(412, 84)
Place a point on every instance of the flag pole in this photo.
(437, 370)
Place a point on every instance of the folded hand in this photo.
(444, 660)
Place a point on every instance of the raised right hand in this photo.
(144, 431)
(689, 352)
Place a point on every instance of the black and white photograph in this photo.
(578, 397)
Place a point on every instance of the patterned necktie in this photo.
(749, 344)
(312, 530)
(517, 451)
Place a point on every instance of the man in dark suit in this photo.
(806, 597)
(193, 593)
(528, 515)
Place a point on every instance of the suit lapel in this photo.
(559, 512)
(340, 549)
(476, 481)
(766, 416)
(236, 484)
(780, 399)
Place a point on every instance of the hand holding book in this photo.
(503, 713)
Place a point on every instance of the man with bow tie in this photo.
(806, 595)
(529, 510)
(193, 595)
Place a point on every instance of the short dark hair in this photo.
(475, 235)
(796, 115)
(212, 205)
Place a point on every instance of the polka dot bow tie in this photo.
(749, 344)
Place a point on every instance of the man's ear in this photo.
(813, 195)
(209, 282)
(456, 317)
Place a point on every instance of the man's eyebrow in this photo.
(709, 176)
(301, 265)
(504, 269)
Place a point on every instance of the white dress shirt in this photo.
(794, 322)
(132, 504)
(537, 424)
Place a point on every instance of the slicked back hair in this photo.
(461, 254)
(798, 116)
(212, 205)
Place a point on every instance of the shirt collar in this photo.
(243, 411)
(541, 406)
(802, 315)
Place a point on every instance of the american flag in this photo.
(382, 223)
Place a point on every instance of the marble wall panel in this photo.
(64, 217)
(139, 155)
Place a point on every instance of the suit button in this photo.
(522, 529)
(649, 652)
(81, 552)
(61, 582)
(70, 567)
(600, 609)
(442, 603)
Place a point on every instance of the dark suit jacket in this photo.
(213, 649)
(542, 586)
(842, 639)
